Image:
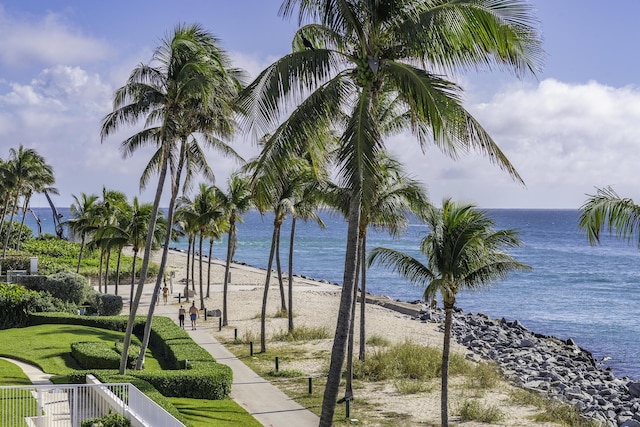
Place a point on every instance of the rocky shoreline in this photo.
(557, 368)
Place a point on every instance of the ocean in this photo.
(588, 293)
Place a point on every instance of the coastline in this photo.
(546, 365)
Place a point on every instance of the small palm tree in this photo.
(83, 220)
(463, 252)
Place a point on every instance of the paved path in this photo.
(264, 401)
(34, 373)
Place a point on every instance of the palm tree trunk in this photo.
(175, 185)
(200, 272)
(106, 270)
(118, 269)
(263, 313)
(348, 393)
(186, 296)
(133, 278)
(80, 254)
(291, 240)
(344, 316)
(25, 206)
(283, 301)
(9, 227)
(363, 298)
(444, 399)
(100, 270)
(145, 265)
(227, 266)
(209, 265)
(193, 264)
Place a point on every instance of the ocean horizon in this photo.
(575, 290)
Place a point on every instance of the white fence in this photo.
(69, 405)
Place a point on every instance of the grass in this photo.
(49, 347)
(474, 410)
(302, 333)
(551, 410)
(409, 386)
(11, 374)
(378, 341)
(219, 413)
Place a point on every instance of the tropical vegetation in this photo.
(463, 251)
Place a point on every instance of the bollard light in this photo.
(310, 385)
(277, 365)
(251, 348)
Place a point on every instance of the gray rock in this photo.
(630, 423)
(634, 389)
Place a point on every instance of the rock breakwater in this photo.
(557, 368)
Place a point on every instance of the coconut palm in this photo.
(236, 201)
(348, 54)
(187, 91)
(463, 251)
(25, 170)
(82, 221)
(607, 210)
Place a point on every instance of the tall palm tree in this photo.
(463, 251)
(186, 91)
(236, 201)
(82, 221)
(607, 210)
(363, 49)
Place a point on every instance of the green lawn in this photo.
(49, 347)
(219, 413)
(11, 374)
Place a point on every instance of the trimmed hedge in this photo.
(100, 355)
(107, 304)
(206, 379)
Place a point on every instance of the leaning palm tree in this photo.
(347, 55)
(188, 89)
(463, 251)
(607, 210)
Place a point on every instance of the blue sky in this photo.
(570, 130)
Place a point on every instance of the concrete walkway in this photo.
(34, 373)
(260, 398)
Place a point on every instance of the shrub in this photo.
(32, 282)
(26, 234)
(473, 410)
(67, 286)
(99, 355)
(303, 333)
(111, 420)
(18, 303)
(107, 305)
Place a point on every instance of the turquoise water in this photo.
(590, 294)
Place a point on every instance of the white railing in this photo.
(69, 405)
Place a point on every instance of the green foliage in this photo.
(18, 303)
(100, 355)
(111, 420)
(303, 333)
(378, 341)
(407, 360)
(285, 373)
(33, 282)
(473, 410)
(26, 235)
(409, 386)
(107, 305)
(67, 286)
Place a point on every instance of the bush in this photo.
(18, 303)
(107, 305)
(33, 282)
(67, 286)
(26, 234)
(111, 420)
(99, 355)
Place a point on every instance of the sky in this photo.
(569, 130)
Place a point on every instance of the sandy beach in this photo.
(316, 305)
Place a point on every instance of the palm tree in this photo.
(187, 91)
(236, 201)
(364, 49)
(26, 170)
(607, 210)
(463, 251)
(82, 221)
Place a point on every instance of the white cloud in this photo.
(564, 139)
(46, 41)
